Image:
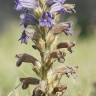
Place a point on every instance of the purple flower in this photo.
(62, 8)
(29, 4)
(50, 2)
(24, 37)
(57, 7)
(28, 19)
(46, 20)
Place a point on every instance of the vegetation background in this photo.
(84, 54)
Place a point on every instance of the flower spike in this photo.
(41, 24)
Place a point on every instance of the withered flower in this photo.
(38, 92)
(59, 55)
(26, 58)
(66, 45)
(62, 27)
(29, 80)
(55, 55)
(66, 71)
(60, 88)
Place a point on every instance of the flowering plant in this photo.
(41, 16)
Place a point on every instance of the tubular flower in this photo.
(28, 19)
(24, 37)
(59, 6)
(65, 27)
(56, 5)
(27, 4)
(46, 20)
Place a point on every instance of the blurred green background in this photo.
(84, 54)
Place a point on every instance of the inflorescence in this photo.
(41, 16)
